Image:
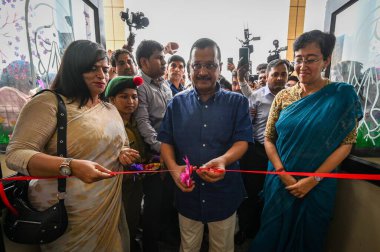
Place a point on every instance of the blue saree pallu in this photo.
(309, 131)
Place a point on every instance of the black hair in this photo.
(293, 78)
(261, 67)
(325, 41)
(117, 53)
(188, 67)
(224, 83)
(203, 43)
(277, 62)
(176, 58)
(146, 49)
(79, 58)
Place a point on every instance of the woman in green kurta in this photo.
(122, 92)
(96, 142)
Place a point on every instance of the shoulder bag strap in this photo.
(61, 137)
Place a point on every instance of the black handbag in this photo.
(31, 226)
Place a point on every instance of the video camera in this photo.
(136, 20)
(247, 39)
(246, 48)
(253, 77)
(275, 54)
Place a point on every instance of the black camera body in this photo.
(253, 77)
(275, 54)
(136, 20)
(273, 57)
(246, 49)
(244, 56)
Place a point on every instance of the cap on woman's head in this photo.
(118, 84)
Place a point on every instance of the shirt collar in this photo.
(149, 80)
(267, 91)
(181, 86)
(218, 91)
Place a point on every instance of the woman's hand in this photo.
(128, 156)
(287, 179)
(89, 171)
(176, 175)
(302, 187)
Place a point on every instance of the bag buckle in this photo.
(61, 195)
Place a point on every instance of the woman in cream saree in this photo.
(96, 141)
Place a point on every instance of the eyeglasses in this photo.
(306, 61)
(208, 66)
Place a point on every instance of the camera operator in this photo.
(260, 102)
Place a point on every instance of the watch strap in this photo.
(66, 162)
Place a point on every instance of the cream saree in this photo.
(95, 213)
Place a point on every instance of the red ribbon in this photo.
(5, 200)
(216, 170)
(360, 176)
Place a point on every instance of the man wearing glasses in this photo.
(212, 128)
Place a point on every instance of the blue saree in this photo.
(309, 131)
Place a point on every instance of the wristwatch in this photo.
(317, 178)
(64, 168)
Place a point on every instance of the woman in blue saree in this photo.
(311, 128)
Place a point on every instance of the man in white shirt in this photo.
(255, 158)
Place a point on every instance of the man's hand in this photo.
(171, 48)
(242, 72)
(302, 187)
(176, 175)
(213, 176)
(230, 66)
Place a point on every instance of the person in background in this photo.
(311, 128)
(122, 93)
(255, 158)
(175, 74)
(96, 145)
(224, 83)
(262, 80)
(211, 127)
(261, 68)
(292, 80)
(153, 97)
(235, 82)
(124, 63)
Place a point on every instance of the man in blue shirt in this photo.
(212, 128)
(176, 72)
